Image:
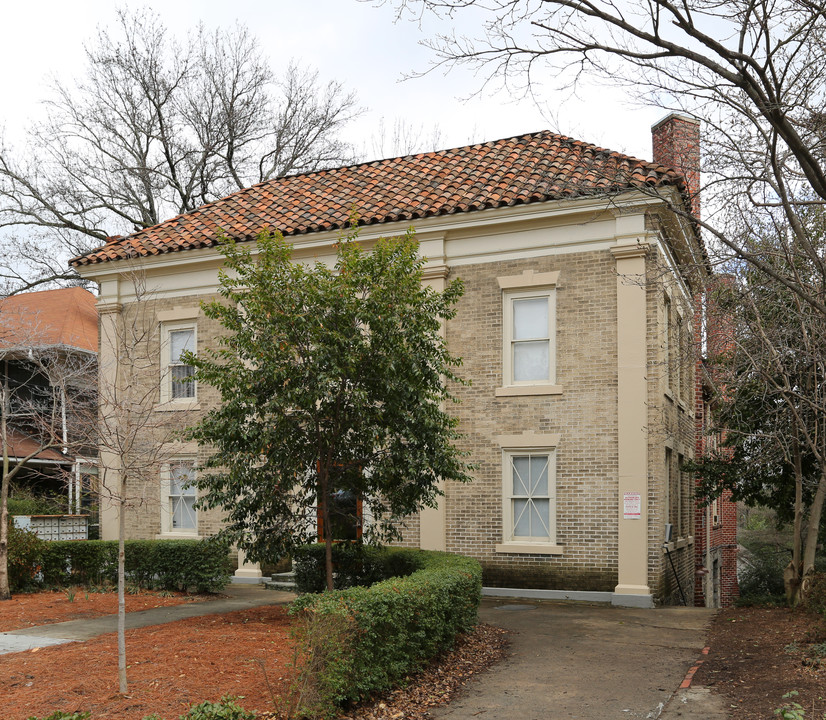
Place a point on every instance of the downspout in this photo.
(708, 580)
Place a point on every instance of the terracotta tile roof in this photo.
(66, 316)
(514, 171)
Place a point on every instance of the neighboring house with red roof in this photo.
(48, 369)
(575, 330)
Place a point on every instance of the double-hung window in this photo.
(177, 384)
(530, 338)
(178, 497)
(529, 334)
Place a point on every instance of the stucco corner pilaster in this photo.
(632, 436)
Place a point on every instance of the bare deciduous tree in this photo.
(154, 129)
(748, 70)
(135, 440)
(403, 138)
(751, 73)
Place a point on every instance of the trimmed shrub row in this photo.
(361, 640)
(202, 565)
(354, 564)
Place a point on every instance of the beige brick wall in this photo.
(585, 416)
(670, 424)
(140, 321)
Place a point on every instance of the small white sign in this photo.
(632, 506)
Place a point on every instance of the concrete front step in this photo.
(281, 581)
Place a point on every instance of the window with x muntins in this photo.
(531, 497)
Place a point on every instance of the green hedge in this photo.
(354, 564)
(202, 565)
(25, 550)
(361, 640)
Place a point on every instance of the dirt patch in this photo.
(171, 667)
(759, 654)
(44, 608)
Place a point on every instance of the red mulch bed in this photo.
(759, 654)
(44, 608)
(244, 654)
(171, 667)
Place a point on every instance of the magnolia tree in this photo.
(332, 384)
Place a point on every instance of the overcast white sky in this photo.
(358, 44)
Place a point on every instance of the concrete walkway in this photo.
(587, 662)
(238, 597)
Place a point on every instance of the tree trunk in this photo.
(5, 591)
(121, 596)
(793, 574)
(324, 484)
(815, 515)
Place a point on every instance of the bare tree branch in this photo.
(155, 128)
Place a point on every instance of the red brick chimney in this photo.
(675, 142)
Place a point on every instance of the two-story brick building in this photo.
(575, 330)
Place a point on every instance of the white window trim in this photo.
(511, 445)
(167, 530)
(167, 402)
(528, 285)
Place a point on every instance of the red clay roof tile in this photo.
(525, 169)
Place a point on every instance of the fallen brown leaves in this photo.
(438, 683)
(759, 654)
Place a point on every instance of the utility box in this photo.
(55, 527)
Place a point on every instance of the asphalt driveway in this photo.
(585, 662)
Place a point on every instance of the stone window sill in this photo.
(177, 406)
(523, 390)
(529, 549)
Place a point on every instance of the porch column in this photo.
(247, 572)
(632, 394)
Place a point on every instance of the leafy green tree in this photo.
(773, 399)
(332, 384)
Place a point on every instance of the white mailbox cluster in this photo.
(55, 527)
